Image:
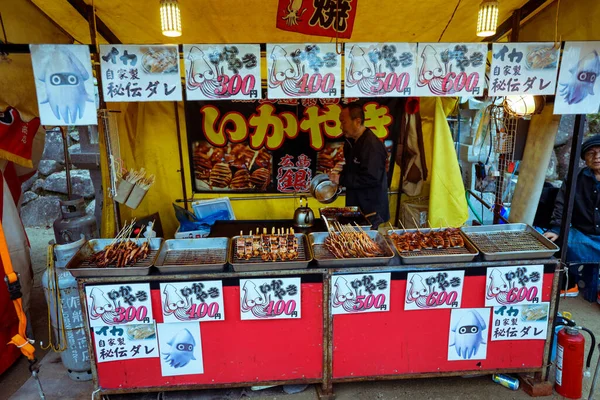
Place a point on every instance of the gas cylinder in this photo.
(60, 288)
(569, 363)
(74, 222)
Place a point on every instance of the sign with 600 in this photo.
(380, 69)
(514, 285)
(123, 304)
(192, 301)
(222, 72)
(434, 289)
(270, 298)
(360, 293)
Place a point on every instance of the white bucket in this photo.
(64, 252)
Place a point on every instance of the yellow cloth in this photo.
(447, 203)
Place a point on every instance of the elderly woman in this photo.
(584, 235)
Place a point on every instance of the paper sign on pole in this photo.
(360, 293)
(577, 91)
(451, 69)
(514, 285)
(124, 304)
(125, 343)
(434, 289)
(523, 68)
(468, 335)
(192, 301)
(64, 84)
(520, 322)
(132, 73)
(303, 71)
(270, 298)
(222, 72)
(380, 69)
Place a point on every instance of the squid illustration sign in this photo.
(270, 298)
(450, 69)
(380, 70)
(577, 91)
(192, 301)
(468, 336)
(124, 304)
(434, 289)
(222, 72)
(64, 84)
(360, 293)
(303, 71)
(514, 285)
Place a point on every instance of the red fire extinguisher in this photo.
(569, 363)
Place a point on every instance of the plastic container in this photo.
(64, 252)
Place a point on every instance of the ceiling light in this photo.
(170, 18)
(487, 20)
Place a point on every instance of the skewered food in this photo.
(241, 179)
(417, 241)
(260, 178)
(220, 175)
(121, 254)
(349, 242)
(281, 245)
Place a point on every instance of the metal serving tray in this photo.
(193, 255)
(257, 264)
(433, 256)
(337, 214)
(509, 242)
(327, 260)
(80, 265)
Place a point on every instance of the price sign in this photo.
(514, 285)
(119, 304)
(270, 298)
(451, 69)
(303, 71)
(523, 68)
(434, 289)
(222, 72)
(520, 322)
(192, 301)
(360, 293)
(380, 69)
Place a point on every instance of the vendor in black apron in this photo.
(364, 175)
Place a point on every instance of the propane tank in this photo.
(67, 319)
(569, 363)
(74, 222)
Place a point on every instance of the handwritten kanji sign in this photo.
(380, 69)
(192, 301)
(119, 304)
(434, 289)
(523, 68)
(118, 343)
(360, 293)
(520, 322)
(451, 69)
(578, 91)
(270, 298)
(317, 17)
(294, 177)
(222, 72)
(140, 73)
(514, 285)
(303, 71)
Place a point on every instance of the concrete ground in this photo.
(16, 385)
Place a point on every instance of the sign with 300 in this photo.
(119, 304)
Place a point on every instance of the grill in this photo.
(193, 255)
(257, 263)
(509, 242)
(432, 256)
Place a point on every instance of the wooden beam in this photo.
(528, 8)
(83, 9)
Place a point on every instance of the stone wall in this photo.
(42, 192)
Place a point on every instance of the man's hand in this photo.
(551, 235)
(335, 178)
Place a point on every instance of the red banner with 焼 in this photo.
(317, 17)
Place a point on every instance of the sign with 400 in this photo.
(192, 301)
(270, 298)
(121, 304)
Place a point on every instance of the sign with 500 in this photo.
(360, 293)
(434, 289)
(192, 301)
(119, 304)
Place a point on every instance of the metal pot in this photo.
(304, 217)
(324, 189)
